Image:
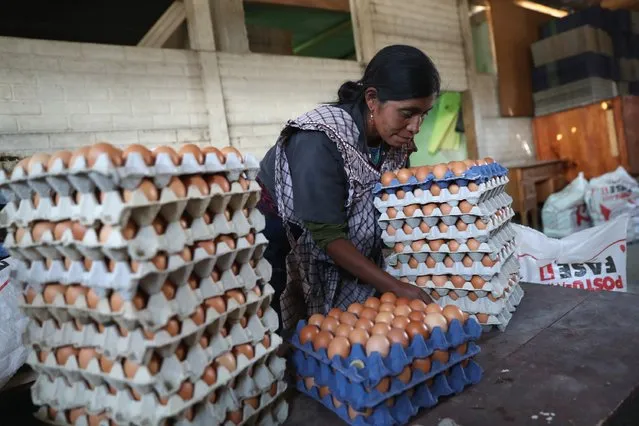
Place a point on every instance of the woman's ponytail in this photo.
(349, 92)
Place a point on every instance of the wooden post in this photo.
(200, 26)
(229, 26)
(362, 17)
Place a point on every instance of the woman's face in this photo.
(397, 122)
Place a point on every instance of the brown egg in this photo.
(64, 156)
(246, 349)
(428, 209)
(387, 307)
(339, 346)
(416, 316)
(472, 186)
(422, 364)
(329, 324)
(398, 335)
(412, 263)
(105, 364)
(487, 261)
(347, 318)
(96, 150)
(400, 322)
(445, 208)
(147, 187)
(384, 385)
(355, 308)
(458, 168)
(433, 308)
(322, 340)
(489, 160)
(29, 295)
(216, 303)
(385, 196)
(434, 320)
(227, 360)
(388, 298)
(266, 341)
(219, 180)
(177, 187)
(186, 390)
(364, 324)
(172, 327)
(472, 296)
(74, 414)
(405, 375)
(316, 319)
(323, 391)
(335, 313)
(452, 312)
(212, 150)
(400, 194)
(435, 245)
(477, 282)
(73, 292)
(358, 336)
(458, 281)
(443, 228)
(380, 328)
(415, 328)
(453, 246)
(410, 210)
(193, 150)
(422, 173)
(85, 355)
(480, 224)
(236, 295)
(482, 318)
(440, 170)
(449, 262)
(40, 228)
(378, 343)
(387, 178)
(147, 155)
(467, 261)
(372, 303)
(462, 349)
(417, 245)
(402, 309)
(198, 317)
(473, 244)
(453, 188)
(228, 240)
(390, 231)
(398, 248)
(51, 291)
(407, 229)
(235, 417)
(368, 313)
(197, 182)
(439, 280)
(461, 225)
(404, 175)
(384, 317)
(92, 299)
(441, 356)
(175, 158)
(343, 330)
(232, 150)
(465, 206)
(63, 353)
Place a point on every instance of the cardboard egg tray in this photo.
(492, 224)
(110, 207)
(138, 345)
(360, 396)
(399, 409)
(369, 370)
(425, 193)
(118, 275)
(251, 378)
(500, 238)
(145, 245)
(501, 320)
(493, 285)
(107, 177)
(477, 174)
(485, 210)
(472, 303)
(399, 266)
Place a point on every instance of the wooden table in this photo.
(531, 183)
(566, 351)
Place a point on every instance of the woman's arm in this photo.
(346, 256)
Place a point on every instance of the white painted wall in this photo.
(262, 92)
(56, 95)
(432, 26)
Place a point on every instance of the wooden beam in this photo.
(362, 18)
(165, 27)
(335, 5)
(229, 26)
(199, 24)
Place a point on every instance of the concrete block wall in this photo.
(262, 92)
(59, 95)
(431, 25)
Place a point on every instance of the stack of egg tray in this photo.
(459, 247)
(352, 387)
(146, 287)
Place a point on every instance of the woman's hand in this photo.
(411, 292)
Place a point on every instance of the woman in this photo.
(325, 242)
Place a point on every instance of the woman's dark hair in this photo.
(397, 72)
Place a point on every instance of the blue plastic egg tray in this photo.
(377, 367)
(477, 174)
(406, 405)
